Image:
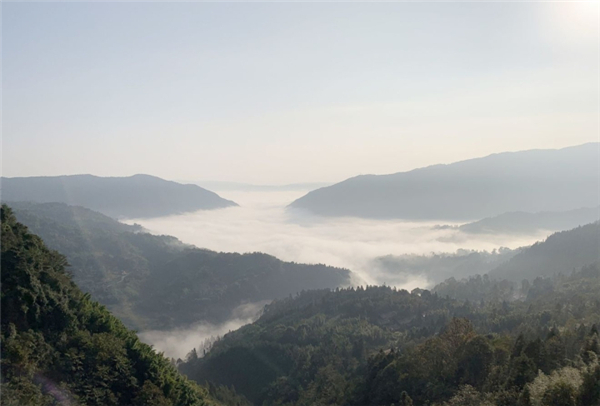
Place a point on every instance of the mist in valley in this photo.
(179, 342)
(297, 204)
(262, 223)
(392, 252)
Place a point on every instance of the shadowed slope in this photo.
(60, 347)
(129, 197)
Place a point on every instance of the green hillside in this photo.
(381, 346)
(60, 347)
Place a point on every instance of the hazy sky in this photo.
(290, 92)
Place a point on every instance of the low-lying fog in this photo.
(178, 343)
(262, 223)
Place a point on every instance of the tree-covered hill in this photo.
(438, 267)
(560, 252)
(130, 197)
(59, 347)
(528, 223)
(380, 346)
(157, 282)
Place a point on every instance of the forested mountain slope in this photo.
(379, 346)
(560, 252)
(536, 180)
(527, 223)
(129, 197)
(438, 267)
(156, 282)
(60, 347)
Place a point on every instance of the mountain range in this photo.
(137, 196)
(532, 181)
(480, 341)
(561, 252)
(521, 222)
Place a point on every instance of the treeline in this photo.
(381, 346)
(461, 367)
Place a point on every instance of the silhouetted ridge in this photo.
(559, 253)
(536, 180)
(523, 222)
(135, 196)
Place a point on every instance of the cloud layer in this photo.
(262, 223)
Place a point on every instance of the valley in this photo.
(255, 203)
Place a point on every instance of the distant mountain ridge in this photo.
(137, 196)
(523, 222)
(533, 180)
(249, 187)
(559, 253)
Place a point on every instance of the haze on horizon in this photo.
(268, 93)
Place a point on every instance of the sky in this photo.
(276, 93)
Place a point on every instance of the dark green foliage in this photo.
(405, 400)
(476, 288)
(157, 282)
(227, 396)
(380, 346)
(590, 388)
(560, 394)
(60, 347)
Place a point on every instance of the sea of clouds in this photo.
(262, 223)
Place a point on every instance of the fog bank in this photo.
(179, 342)
(262, 223)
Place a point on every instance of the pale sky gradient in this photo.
(292, 92)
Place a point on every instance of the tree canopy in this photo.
(61, 347)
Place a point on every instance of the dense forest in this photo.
(300, 203)
(381, 346)
(483, 340)
(157, 282)
(129, 197)
(560, 252)
(59, 347)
